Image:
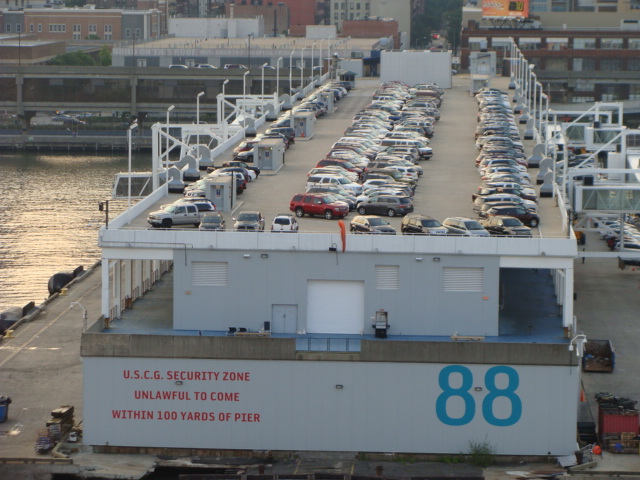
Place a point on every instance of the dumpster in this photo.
(4, 408)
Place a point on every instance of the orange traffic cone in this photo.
(582, 399)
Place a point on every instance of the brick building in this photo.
(385, 27)
(574, 65)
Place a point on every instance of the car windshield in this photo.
(170, 208)
(511, 222)
(281, 221)
(376, 222)
(213, 219)
(430, 223)
(473, 225)
(248, 217)
(330, 199)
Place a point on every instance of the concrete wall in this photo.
(418, 307)
(329, 405)
(417, 67)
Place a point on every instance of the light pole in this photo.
(249, 50)
(290, 70)
(313, 53)
(167, 154)
(278, 76)
(302, 66)
(262, 68)
(244, 89)
(222, 113)
(198, 117)
(133, 125)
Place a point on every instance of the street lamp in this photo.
(290, 70)
(262, 68)
(167, 154)
(198, 117)
(278, 76)
(249, 50)
(244, 89)
(133, 125)
(313, 48)
(222, 113)
(302, 66)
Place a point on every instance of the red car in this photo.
(323, 204)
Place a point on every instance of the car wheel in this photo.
(391, 212)
(353, 230)
(534, 223)
(328, 214)
(362, 210)
(166, 223)
(299, 212)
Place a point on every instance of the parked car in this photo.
(323, 204)
(233, 66)
(387, 205)
(237, 163)
(285, 222)
(416, 224)
(370, 224)
(249, 221)
(502, 225)
(464, 226)
(212, 221)
(175, 214)
(526, 216)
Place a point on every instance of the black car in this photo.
(416, 224)
(387, 205)
(503, 225)
(521, 213)
(237, 163)
(249, 222)
(287, 131)
(371, 224)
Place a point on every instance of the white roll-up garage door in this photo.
(335, 306)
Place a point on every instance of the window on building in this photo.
(477, 43)
(351, 16)
(108, 29)
(127, 33)
(77, 28)
(8, 28)
(610, 43)
(367, 6)
(352, 6)
(108, 36)
(343, 6)
(39, 28)
(77, 36)
(634, 94)
(556, 64)
(138, 33)
(584, 43)
(32, 27)
(585, 86)
(93, 29)
(634, 43)
(357, 6)
(530, 43)
(336, 16)
(610, 93)
(500, 43)
(336, 6)
(633, 64)
(610, 64)
(18, 28)
(554, 43)
(584, 65)
(342, 16)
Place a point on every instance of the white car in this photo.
(284, 222)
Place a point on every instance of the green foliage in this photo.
(104, 57)
(93, 36)
(450, 459)
(73, 58)
(442, 16)
(481, 453)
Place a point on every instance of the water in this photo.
(49, 217)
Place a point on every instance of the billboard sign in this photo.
(505, 8)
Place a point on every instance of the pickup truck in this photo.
(599, 356)
(176, 214)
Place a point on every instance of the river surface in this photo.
(49, 217)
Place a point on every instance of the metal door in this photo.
(284, 318)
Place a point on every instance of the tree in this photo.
(104, 57)
(73, 58)
(440, 16)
